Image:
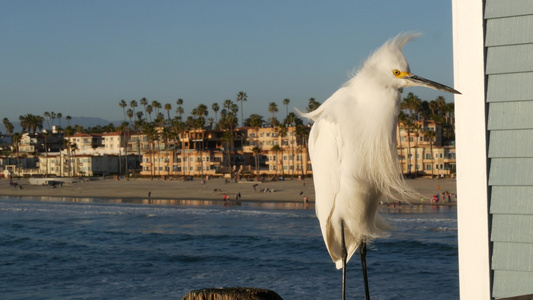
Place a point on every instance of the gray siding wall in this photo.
(509, 70)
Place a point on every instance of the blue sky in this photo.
(80, 58)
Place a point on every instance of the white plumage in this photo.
(352, 147)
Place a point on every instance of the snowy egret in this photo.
(352, 146)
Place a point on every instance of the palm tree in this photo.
(286, 103)
(149, 109)
(168, 107)
(59, 116)
(202, 112)
(133, 105)
(31, 122)
(241, 97)
(282, 130)
(68, 118)
(144, 102)
(139, 116)
(66, 145)
(412, 103)
(215, 108)
(52, 116)
(228, 121)
(430, 134)
(409, 125)
(16, 141)
(152, 136)
(122, 103)
(47, 117)
(157, 106)
(276, 149)
(73, 149)
(273, 109)
(45, 135)
(256, 150)
(416, 130)
(9, 127)
(312, 105)
(401, 124)
(255, 121)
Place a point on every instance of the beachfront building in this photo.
(265, 151)
(85, 143)
(423, 155)
(187, 162)
(282, 151)
(493, 65)
(62, 165)
(115, 142)
(138, 143)
(35, 143)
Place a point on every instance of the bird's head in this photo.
(388, 65)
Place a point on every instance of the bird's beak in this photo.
(420, 81)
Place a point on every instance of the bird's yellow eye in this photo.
(396, 72)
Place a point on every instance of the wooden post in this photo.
(237, 293)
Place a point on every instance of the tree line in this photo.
(144, 116)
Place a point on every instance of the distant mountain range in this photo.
(82, 121)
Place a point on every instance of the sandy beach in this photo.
(214, 189)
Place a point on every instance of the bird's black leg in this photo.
(362, 254)
(344, 257)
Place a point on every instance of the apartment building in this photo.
(63, 165)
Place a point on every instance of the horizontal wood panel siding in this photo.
(511, 171)
(510, 115)
(512, 229)
(509, 96)
(511, 143)
(510, 87)
(507, 8)
(513, 256)
(509, 59)
(509, 31)
(511, 200)
(512, 283)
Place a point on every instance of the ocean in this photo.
(71, 248)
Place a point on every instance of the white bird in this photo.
(352, 146)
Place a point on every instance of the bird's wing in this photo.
(324, 145)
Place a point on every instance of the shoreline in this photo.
(287, 191)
